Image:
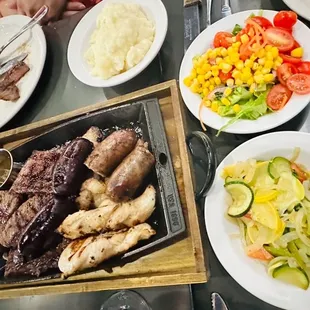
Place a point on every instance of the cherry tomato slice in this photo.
(224, 76)
(262, 21)
(296, 44)
(304, 67)
(299, 83)
(223, 39)
(280, 38)
(285, 19)
(260, 254)
(278, 97)
(301, 175)
(291, 60)
(285, 71)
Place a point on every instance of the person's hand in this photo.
(8, 7)
(73, 8)
(30, 7)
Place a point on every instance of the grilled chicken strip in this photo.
(90, 252)
(111, 217)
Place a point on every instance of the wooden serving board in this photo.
(183, 261)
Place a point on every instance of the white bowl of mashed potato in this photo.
(116, 40)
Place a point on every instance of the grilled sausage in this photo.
(67, 175)
(129, 175)
(111, 151)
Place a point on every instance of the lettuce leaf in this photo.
(236, 29)
(239, 93)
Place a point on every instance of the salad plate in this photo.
(258, 120)
(256, 276)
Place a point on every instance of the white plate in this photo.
(79, 43)
(33, 42)
(249, 273)
(296, 104)
(301, 7)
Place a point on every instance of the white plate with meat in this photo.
(32, 42)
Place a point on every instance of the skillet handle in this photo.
(205, 158)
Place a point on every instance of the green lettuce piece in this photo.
(236, 29)
(239, 93)
(225, 111)
(252, 110)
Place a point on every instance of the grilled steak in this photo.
(37, 174)
(17, 266)
(10, 93)
(21, 218)
(9, 202)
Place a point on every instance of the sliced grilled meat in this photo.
(16, 73)
(10, 93)
(9, 202)
(94, 135)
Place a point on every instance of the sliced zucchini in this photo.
(277, 166)
(294, 276)
(230, 179)
(277, 251)
(242, 196)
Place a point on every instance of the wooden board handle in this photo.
(191, 2)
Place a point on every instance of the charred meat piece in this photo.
(90, 252)
(17, 266)
(37, 174)
(9, 93)
(68, 172)
(9, 202)
(129, 175)
(94, 135)
(44, 224)
(21, 218)
(111, 151)
(112, 216)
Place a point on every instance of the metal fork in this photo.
(226, 9)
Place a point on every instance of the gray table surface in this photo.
(58, 92)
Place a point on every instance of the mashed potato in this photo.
(120, 41)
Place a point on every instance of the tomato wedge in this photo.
(278, 97)
(299, 83)
(262, 21)
(224, 76)
(285, 71)
(280, 38)
(260, 254)
(223, 39)
(304, 67)
(301, 175)
(285, 19)
(290, 59)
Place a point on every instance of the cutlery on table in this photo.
(209, 11)
(218, 302)
(226, 9)
(12, 63)
(34, 20)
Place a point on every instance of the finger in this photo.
(75, 6)
(69, 13)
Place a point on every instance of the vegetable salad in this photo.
(251, 71)
(270, 200)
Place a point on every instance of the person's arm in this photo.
(8, 7)
(73, 8)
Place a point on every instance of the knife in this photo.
(226, 9)
(191, 21)
(12, 63)
(218, 302)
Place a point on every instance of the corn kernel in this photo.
(205, 57)
(226, 68)
(275, 52)
(238, 82)
(207, 84)
(206, 67)
(207, 103)
(214, 106)
(212, 54)
(221, 65)
(194, 88)
(255, 46)
(219, 51)
(251, 32)
(218, 60)
(255, 66)
(215, 72)
(244, 38)
(208, 52)
(258, 72)
(234, 58)
(248, 63)
(261, 61)
(224, 52)
(230, 82)
(268, 48)
(252, 88)
(187, 81)
(268, 64)
(253, 57)
(279, 59)
(261, 53)
(211, 87)
(269, 55)
(259, 79)
(246, 75)
(269, 78)
(230, 50)
(200, 71)
(234, 39)
(193, 72)
(205, 91)
(200, 90)
(212, 82)
(297, 52)
(236, 108)
(201, 79)
(239, 65)
(227, 60)
(217, 81)
(208, 75)
(250, 81)
(265, 71)
(225, 101)
(236, 74)
(227, 91)
(236, 45)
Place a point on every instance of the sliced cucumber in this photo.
(277, 166)
(242, 196)
(294, 276)
(230, 179)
